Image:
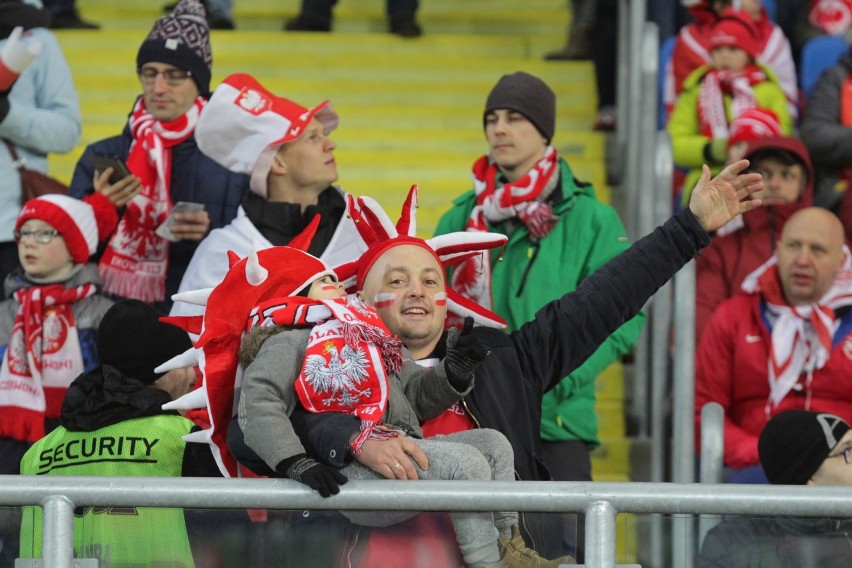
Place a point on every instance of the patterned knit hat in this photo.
(527, 95)
(181, 39)
(793, 444)
(380, 235)
(244, 124)
(735, 28)
(82, 223)
(752, 124)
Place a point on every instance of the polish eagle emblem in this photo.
(340, 375)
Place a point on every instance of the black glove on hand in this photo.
(318, 476)
(464, 353)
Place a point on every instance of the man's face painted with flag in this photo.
(406, 286)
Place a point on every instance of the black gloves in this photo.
(464, 353)
(318, 476)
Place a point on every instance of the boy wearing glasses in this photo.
(158, 146)
(797, 447)
(48, 320)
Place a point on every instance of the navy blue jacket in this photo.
(195, 177)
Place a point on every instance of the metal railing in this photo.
(602, 502)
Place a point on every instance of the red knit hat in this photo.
(82, 223)
(752, 124)
(735, 28)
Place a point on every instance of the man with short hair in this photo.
(559, 234)
(797, 447)
(287, 151)
(166, 166)
(745, 243)
(785, 343)
(403, 277)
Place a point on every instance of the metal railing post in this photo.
(600, 535)
(58, 532)
(712, 457)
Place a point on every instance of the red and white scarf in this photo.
(802, 335)
(349, 356)
(522, 199)
(712, 118)
(135, 261)
(832, 16)
(42, 358)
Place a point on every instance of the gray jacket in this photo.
(268, 396)
(829, 142)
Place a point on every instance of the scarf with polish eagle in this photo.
(136, 258)
(42, 358)
(795, 349)
(712, 117)
(832, 16)
(523, 199)
(349, 355)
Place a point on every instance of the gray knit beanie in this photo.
(528, 95)
(181, 39)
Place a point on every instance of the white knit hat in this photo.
(82, 223)
(243, 125)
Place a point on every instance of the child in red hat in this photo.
(716, 94)
(52, 310)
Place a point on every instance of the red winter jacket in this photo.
(723, 265)
(731, 369)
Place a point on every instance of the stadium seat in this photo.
(819, 54)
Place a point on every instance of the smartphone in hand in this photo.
(104, 161)
(165, 229)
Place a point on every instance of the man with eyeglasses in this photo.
(797, 447)
(166, 166)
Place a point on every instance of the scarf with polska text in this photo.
(712, 117)
(42, 358)
(349, 355)
(793, 349)
(523, 199)
(136, 259)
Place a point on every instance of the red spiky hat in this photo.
(228, 307)
(380, 235)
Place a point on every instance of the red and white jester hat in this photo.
(265, 274)
(380, 235)
(244, 124)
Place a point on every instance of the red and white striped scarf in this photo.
(135, 261)
(472, 277)
(349, 355)
(795, 351)
(42, 358)
(712, 118)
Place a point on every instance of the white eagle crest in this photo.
(340, 376)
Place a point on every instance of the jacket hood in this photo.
(777, 215)
(104, 396)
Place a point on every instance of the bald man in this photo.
(785, 343)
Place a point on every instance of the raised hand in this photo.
(718, 200)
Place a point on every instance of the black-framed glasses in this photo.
(845, 454)
(43, 236)
(173, 77)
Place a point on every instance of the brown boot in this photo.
(515, 554)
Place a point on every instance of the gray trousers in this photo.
(480, 454)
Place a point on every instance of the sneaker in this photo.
(71, 20)
(517, 555)
(406, 27)
(303, 24)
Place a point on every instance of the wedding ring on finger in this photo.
(396, 465)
